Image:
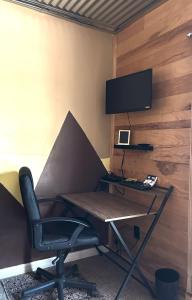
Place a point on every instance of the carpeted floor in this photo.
(109, 277)
(97, 269)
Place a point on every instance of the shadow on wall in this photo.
(10, 181)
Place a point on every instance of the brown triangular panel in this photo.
(15, 248)
(73, 165)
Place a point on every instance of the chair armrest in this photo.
(81, 226)
(60, 219)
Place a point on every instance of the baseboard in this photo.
(46, 263)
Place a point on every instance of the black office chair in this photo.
(55, 233)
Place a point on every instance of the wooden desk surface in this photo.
(106, 206)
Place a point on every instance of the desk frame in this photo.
(134, 260)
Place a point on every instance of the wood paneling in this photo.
(158, 40)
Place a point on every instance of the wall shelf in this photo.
(135, 147)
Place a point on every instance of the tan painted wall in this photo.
(48, 67)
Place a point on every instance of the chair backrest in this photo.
(28, 196)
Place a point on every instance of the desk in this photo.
(111, 208)
(107, 207)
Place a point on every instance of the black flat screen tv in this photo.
(129, 93)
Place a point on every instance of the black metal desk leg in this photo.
(137, 257)
(144, 279)
(143, 244)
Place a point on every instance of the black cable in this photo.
(122, 162)
(135, 244)
(129, 120)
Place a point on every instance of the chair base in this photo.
(59, 283)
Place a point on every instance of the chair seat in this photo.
(61, 233)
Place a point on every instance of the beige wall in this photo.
(48, 67)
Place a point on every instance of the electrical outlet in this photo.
(136, 232)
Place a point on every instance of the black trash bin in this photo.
(167, 284)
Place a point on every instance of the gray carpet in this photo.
(13, 287)
(97, 269)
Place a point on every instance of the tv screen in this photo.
(129, 93)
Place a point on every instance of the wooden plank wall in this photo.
(158, 40)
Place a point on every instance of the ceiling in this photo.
(108, 15)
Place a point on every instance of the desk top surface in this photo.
(106, 206)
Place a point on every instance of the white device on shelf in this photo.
(123, 137)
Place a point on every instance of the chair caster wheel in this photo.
(37, 275)
(93, 293)
(72, 271)
(75, 270)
